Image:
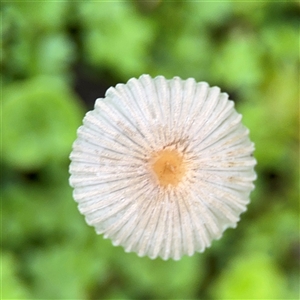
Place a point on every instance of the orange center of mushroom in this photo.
(169, 167)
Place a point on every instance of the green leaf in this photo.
(250, 276)
(40, 118)
(65, 272)
(12, 286)
(44, 15)
(238, 63)
(162, 279)
(52, 56)
(116, 37)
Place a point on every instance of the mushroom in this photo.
(162, 167)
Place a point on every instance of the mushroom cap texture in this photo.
(114, 181)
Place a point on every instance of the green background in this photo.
(58, 57)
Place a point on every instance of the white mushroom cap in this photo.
(162, 167)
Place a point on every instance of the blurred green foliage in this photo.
(41, 127)
(249, 49)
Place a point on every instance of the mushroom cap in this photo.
(162, 167)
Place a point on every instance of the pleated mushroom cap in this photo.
(162, 167)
